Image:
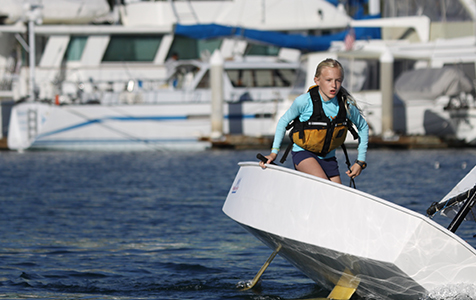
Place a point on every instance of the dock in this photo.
(414, 142)
(241, 142)
(3, 144)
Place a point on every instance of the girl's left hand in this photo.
(354, 171)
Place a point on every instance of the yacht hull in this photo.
(131, 127)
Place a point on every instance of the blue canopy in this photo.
(296, 41)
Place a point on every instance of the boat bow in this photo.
(326, 228)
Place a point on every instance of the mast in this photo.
(33, 16)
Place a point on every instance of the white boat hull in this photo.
(180, 126)
(325, 228)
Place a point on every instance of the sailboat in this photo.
(349, 241)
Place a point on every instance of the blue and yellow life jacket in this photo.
(319, 134)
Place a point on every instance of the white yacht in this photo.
(99, 73)
(173, 115)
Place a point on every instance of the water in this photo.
(88, 225)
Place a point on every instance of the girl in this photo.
(333, 97)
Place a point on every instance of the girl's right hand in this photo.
(271, 157)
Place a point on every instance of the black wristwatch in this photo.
(362, 164)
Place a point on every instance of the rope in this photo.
(347, 162)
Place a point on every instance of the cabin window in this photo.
(261, 77)
(129, 48)
(184, 76)
(467, 68)
(402, 65)
(364, 74)
(300, 79)
(75, 48)
(187, 48)
(361, 74)
(205, 81)
(264, 50)
(437, 11)
(40, 45)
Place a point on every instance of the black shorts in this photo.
(329, 165)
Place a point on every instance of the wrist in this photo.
(362, 164)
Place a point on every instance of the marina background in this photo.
(97, 74)
(149, 225)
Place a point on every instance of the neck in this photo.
(324, 97)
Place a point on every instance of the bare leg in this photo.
(311, 166)
(336, 179)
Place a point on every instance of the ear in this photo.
(316, 80)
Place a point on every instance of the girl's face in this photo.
(329, 82)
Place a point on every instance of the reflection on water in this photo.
(458, 291)
(85, 225)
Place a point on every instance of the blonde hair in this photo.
(332, 63)
(329, 63)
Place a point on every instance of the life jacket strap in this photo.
(286, 153)
(347, 162)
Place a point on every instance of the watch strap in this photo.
(362, 164)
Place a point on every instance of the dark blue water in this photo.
(89, 225)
